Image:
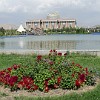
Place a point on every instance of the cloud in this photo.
(37, 6)
(7, 6)
(28, 9)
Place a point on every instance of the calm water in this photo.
(47, 42)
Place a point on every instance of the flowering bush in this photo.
(47, 72)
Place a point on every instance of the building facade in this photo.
(53, 21)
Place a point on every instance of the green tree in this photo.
(2, 31)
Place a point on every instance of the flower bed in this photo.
(48, 72)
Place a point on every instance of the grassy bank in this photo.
(92, 62)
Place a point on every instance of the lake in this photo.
(48, 42)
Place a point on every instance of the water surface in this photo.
(47, 42)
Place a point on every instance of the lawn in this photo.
(91, 62)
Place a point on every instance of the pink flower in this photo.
(51, 62)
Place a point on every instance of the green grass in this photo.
(92, 62)
(7, 60)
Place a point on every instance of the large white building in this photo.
(53, 21)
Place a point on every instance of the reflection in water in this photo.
(2, 45)
(21, 43)
(59, 42)
(47, 45)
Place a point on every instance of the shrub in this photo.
(47, 72)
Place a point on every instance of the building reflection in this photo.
(47, 45)
(2, 44)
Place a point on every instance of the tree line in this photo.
(69, 30)
(4, 32)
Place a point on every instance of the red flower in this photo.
(51, 50)
(54, 50)
(46, 89)
(26, 82)
(6, 78)
(2, 73)
(59, 54)
(21, 84)
(35, 87)
(73, 75)
(82, 77)
(46, 83)
(39, 57)
(15, 66)
(12, 80)
(78, 65)
(28, 87)
(56, 86)
(9, 69)
(65, 54)
(77, 83)
(73, 63)
(86, 70)
(59, 80)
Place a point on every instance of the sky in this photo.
(86, 12)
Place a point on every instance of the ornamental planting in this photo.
(48, 72)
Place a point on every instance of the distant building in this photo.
(53, 21)
(8, 26)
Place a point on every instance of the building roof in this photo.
(21, 29)
(53, 16)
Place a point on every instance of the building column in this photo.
(66, 25)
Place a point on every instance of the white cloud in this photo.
(31, 8)
(37, 6)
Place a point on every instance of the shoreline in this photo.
(44, 52)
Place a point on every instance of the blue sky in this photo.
(86, 12)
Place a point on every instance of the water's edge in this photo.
(45, 52)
